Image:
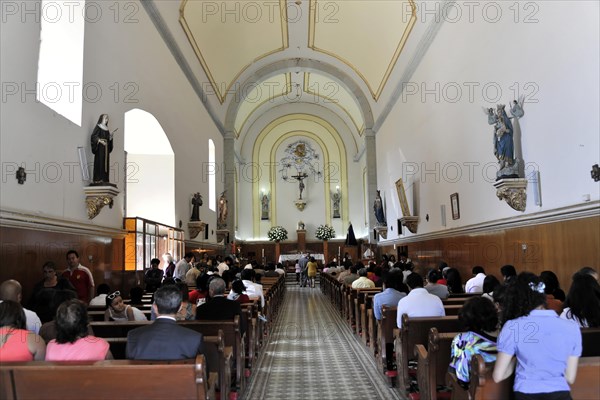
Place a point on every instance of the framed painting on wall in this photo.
(455, 206)
(402, 198)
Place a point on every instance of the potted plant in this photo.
(325, 232)
(277, 234)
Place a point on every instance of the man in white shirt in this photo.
(279, 269)
(183, 266)
(419, 302)
(475, 284)
(253, 290)
(192, 275)
(363, 282)
(100, 299)
(12, 290)
(224, 266)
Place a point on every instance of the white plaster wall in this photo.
(147, 77)
(439, 140)
(144, 198)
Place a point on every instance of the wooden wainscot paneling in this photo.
(563, 247)
(24, 251)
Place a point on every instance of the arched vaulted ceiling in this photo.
(246, 57)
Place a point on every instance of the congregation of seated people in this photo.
(57, 327)
(495, 313)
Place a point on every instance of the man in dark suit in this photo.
(164, 339)
(218, 307)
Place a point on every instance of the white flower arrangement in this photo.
(277, 233)
(325, 232)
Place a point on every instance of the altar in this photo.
(294, 257)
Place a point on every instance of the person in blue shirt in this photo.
(394, 290)
(544, 348)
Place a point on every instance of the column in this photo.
(371, 162)
(229, 181)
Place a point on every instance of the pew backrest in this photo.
(482, 385)
(590, 342)
(415, 331)
(111, 379)
(587, 381)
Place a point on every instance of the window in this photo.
(212, 198)
(60, 66)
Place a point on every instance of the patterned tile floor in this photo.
(312, 354)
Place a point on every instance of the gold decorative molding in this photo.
(300, 204)
(222, 236)
(513, 191)
(382, 231)
(411, 223)
(96, 197)
(195, 227)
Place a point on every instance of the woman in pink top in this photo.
(17, 343)
(72, 341)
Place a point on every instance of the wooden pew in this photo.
(466, 295)
(483, 387)
(590, 342)
(249, 320)
(94, 315)
(111, 379)
(367, 320)
(452, 309)
(385, 330)
(216, 360)
(455, 300)
(416, 331)
(360, 311)
(587, 382)
(234, 341)
(373, 333)
(433, 362)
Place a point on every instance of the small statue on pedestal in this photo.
(102, 145)
(196, 203)
(222, 216)
(378, 209)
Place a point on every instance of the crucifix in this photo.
(300, 178)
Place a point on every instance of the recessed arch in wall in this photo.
(271, 138)
(150, 169)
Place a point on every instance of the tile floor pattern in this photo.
(312, 355)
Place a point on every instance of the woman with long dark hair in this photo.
(583, 301)
(543, 348)
(16, 342)
(454, 281)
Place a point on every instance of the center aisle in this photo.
(312, 354)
